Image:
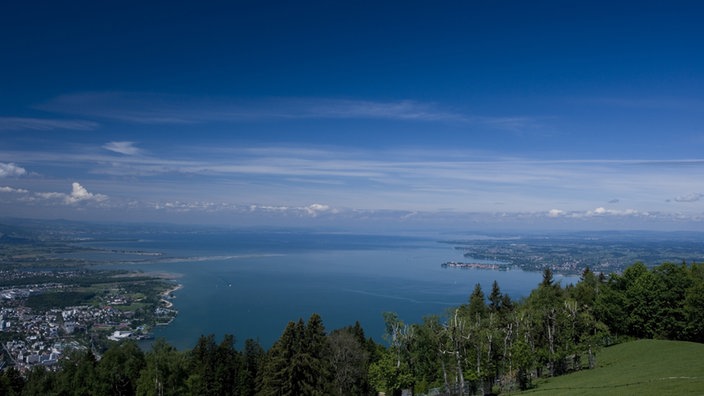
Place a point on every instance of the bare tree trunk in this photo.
(460, 375)
(551, 339)
(457, 340)
(444, 375)
(489, 351)
(507, 354)
(479, 356)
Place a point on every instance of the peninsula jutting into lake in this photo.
(483, 266)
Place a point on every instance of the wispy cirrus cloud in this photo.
(126, 148)
(147, 108)
(433, 173)
(399, 110)
(214, 178)
(664, 103)
(395, 180)
(45, 124)
(311, 211)
(694, 197)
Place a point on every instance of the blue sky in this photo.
(464, 115)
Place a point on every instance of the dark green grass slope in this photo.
(644, 367)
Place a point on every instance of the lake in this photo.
(251, 284)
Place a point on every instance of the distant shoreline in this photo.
(165, 275)
(166, 295)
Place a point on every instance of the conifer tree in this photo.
(252, 364)
(495, 298)
(277, 374)
(477, 303)
(316, 348)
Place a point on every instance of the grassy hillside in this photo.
(645, 367)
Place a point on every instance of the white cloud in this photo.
(316, 209)
(694, 197)
(7, 189)
(555, 213)
(268, 208)
(44, 124)
(51, 195)
(601, 211)
(126, 148)
(189, 206)
(9, 170)
(79, 193)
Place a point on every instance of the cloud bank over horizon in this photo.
(288, 184)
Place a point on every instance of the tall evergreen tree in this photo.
(276, 378)
(495, 298)
(252, 364)
(227, 368)
(477, 303)
(201, 367)
(298, 363)
(316, 347)
(547, 277)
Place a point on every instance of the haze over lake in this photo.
(252, 284)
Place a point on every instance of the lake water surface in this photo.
(252, 284)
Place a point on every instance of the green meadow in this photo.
(644, 367)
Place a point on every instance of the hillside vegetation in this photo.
(644, 367)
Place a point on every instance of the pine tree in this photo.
(495, 298)
(317, 350)
(477, 303)
(277, 378)
(252, 361)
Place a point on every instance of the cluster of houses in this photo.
(30, 338)
(25, 354)
(40, 342)
(40, 339)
